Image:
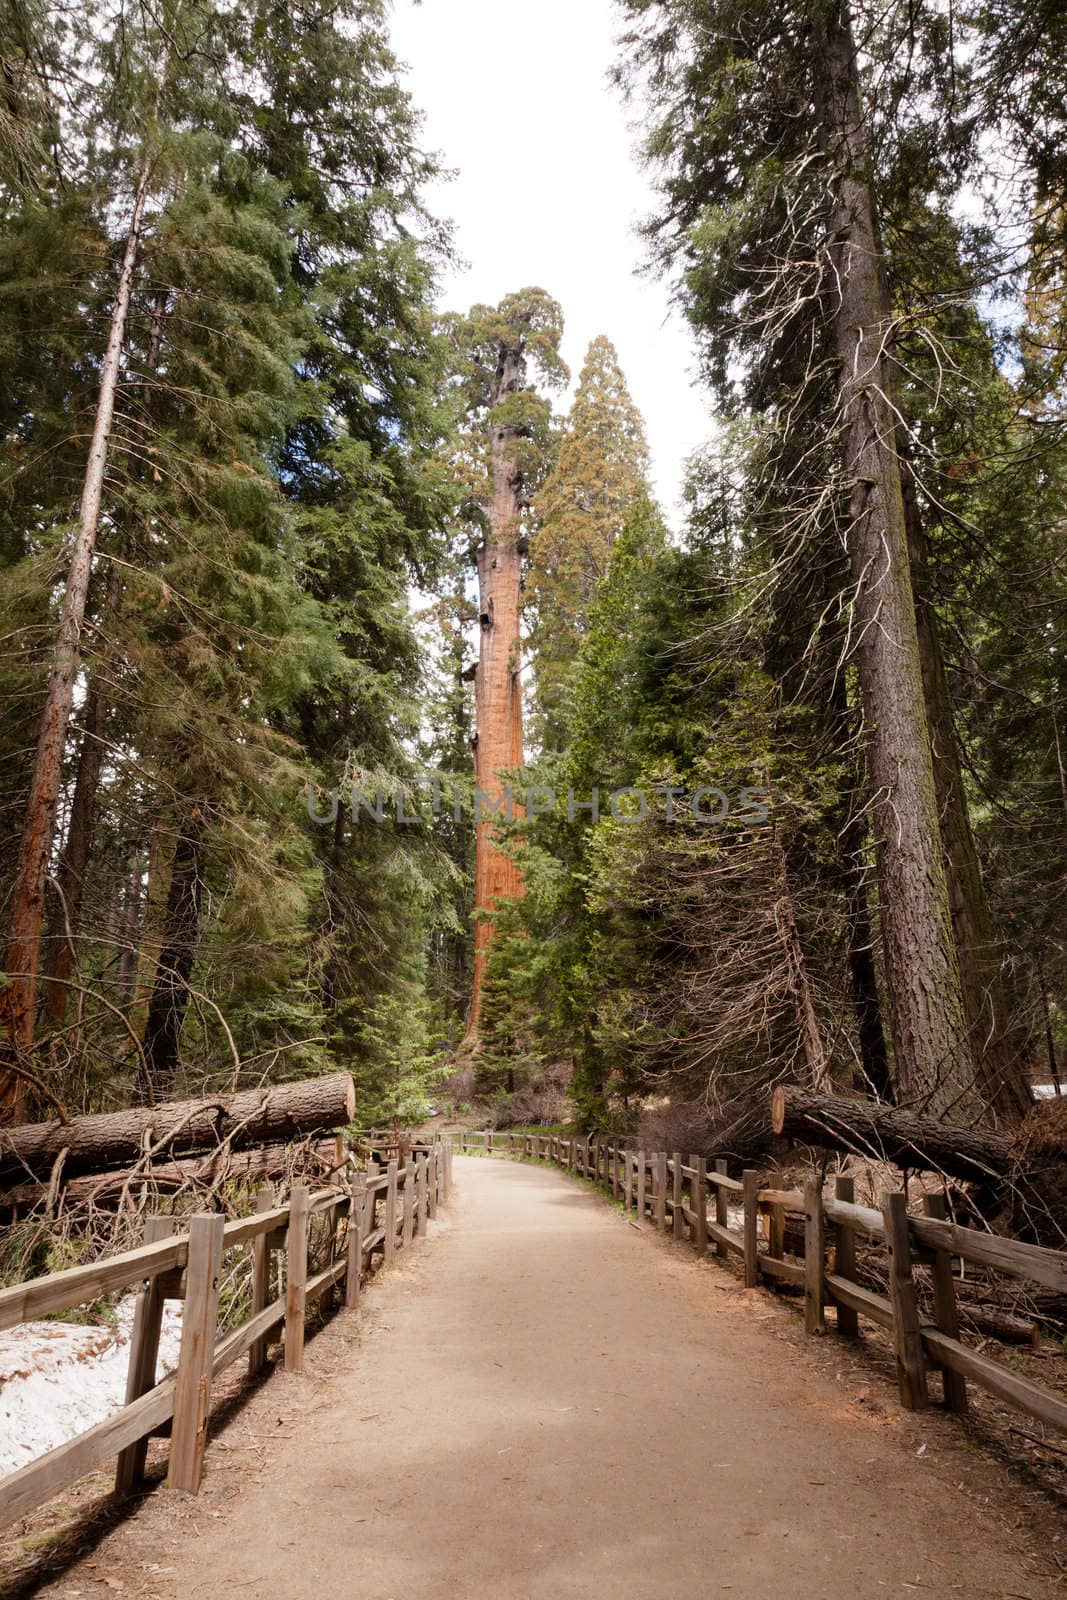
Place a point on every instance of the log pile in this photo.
(191, 1144)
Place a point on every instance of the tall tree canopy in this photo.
(235, 399)
(600, 470)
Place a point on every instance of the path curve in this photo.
(545, 1403)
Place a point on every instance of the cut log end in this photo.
(778, 1109)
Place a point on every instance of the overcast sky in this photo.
(547, 190)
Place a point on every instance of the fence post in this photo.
(678, 1218)
(698, 1200)
(463, 1140)
(776, 1233)
(814, 1257)
(192, 1392)
(749, 1191)
(370, 1204)
(946, 1314)
(144, 1353)
(354, 1264)
(907, 1337)
(296, 1276)
(422, 1195)
(408, 1193)
(257, 1353)
(659, 1190)
(390, 1213)
(848, 1320)
(433, 1175)
(641, 1181)
(722, 1212)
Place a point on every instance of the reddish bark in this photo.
(497, 691)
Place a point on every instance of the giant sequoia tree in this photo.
(506, 447)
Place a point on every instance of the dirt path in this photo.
(545, 1404)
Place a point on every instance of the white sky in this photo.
(547, 190)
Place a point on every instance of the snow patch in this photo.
(59, 1378)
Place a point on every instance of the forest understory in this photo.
(367, 716)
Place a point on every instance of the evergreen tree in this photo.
(240, 584)
(773, 209)
(600, 471)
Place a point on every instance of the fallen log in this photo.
(883, 1133)
(746, 1139)
(1002, 1325)
(271, 1114)
(316, 1158)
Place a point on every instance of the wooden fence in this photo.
(673, 1195)
(375, 1212)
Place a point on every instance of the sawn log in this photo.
(271, 1114)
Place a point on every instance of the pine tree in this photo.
(270, 493)
(600, 471)
(785, 152)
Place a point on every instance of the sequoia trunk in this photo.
(497, 689)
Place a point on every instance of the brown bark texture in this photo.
(269, 1114)
(207, 1172)
(884, 1133)
(933, 1069)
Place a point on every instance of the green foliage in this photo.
(274, 490)
(598, 474)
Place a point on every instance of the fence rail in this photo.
(376, 1211)
(674, 1196)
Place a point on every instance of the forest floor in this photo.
(548, 1402)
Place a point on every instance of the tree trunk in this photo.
(785, 921)
(70, 876)
(497, 690)
(18, 1000)
(131, 922)
(170, 995)
(866, 1002)
(106, 1189)
(999, 1069)
(932, 1064)
(882, 1133)
(76, 851)
(270, 1114)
